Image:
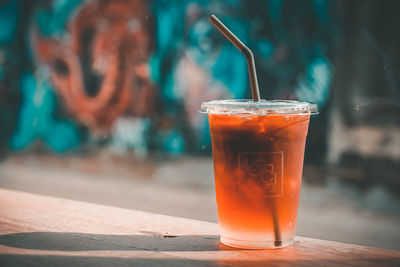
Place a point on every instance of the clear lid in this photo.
(261, 108)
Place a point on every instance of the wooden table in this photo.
(38, 230)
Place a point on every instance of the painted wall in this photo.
(132, 74)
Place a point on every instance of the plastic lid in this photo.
(261, 108)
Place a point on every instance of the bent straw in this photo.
(256, 96)
(245, 50)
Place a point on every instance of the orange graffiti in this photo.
(101, 70)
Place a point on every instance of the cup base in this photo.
(254, 244)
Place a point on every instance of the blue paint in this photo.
(53, 22)
(173, 142)
(231, 69)
(9, 14)
(314, 86)
(36, 119)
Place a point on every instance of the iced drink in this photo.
(258, 151)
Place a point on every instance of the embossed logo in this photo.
(261, 174)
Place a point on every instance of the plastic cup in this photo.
(258, 152)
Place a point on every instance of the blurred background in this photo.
(99, 102)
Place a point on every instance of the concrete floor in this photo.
(185, 188)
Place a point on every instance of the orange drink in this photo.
(258, 151)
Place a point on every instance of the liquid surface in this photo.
(258, 164)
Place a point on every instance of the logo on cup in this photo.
(261, 174)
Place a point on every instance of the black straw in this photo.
(245, 50)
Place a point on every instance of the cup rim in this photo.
(261, 108)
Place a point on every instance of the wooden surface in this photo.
(37, 230)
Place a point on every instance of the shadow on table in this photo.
(10, 260)
(138, 250)
(60, 241)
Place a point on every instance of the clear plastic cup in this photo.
(258, 151)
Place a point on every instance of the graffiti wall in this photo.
(131, 75)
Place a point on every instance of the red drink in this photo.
(258, 159)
